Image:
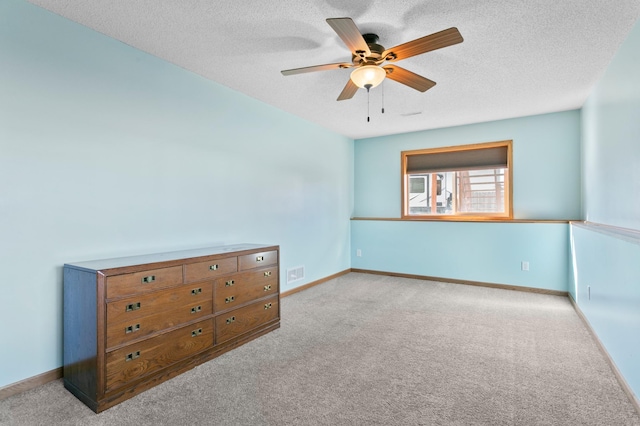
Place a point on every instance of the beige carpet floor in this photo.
(374, 350)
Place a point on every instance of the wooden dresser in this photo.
(132, 323)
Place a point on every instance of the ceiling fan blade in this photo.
(350, 35)
(349, 90)
(408, 78)
(317, 68)
(424, 44)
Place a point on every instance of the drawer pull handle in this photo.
(214, 267)
(267, 305)
(132, 356)
(132, 307)
(230, 320)
(267, 274)
(267, 287)
(149, 279)
(196, 333)
(259, 258)
(229, 299)
(196, 309)
(132, 328)
(196, 291)
(229, 283)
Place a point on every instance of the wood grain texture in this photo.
(127, 284)
(465, 282)
(157, 311)
(462, 219)
(408, 78)
(242, 320)
(348, 31)
(156, 353)
(30, 383)
(149, 330)
(348, 92)
(257, 260)
(314, 283)
(507, 214)
(136, 387)
(231, 292)
(421, 45)
(209, 269)
(80, 342)
(314, 68)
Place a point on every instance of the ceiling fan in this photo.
(368, 55)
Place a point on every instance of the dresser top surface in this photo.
(120, 262)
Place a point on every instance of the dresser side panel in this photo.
(80, 328)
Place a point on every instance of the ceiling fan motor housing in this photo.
(375, 48)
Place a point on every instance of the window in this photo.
(469, 182)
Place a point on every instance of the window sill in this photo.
(463, 219)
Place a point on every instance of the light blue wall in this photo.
(546, 157)
(606, 262)
(608, 267)
(546, 185)
(106, 151)
(611, 141)
(484, 252)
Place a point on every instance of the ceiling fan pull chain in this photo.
(368, 86)
(382, 88)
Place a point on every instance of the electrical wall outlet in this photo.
(359, 253)
(525, 265)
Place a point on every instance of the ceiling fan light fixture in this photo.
(371, 75)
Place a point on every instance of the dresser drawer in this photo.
(138, 282)
(241, 320)
(210, 269)
(143, 358)
(257, 260)
(138, 316)
(244, 287)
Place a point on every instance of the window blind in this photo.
(468, 159)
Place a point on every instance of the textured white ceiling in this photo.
(518, 58)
